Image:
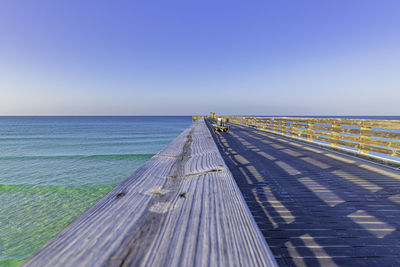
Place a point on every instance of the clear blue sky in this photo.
(338, 57)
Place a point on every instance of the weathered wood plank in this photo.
(390, 135)
(389, 144)
(182, 207)
(391, 152)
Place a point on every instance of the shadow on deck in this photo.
(314, 206)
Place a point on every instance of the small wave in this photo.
(80, 157)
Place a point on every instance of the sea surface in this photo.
(52, 169)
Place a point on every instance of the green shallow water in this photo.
(34, 214)
(52, 169)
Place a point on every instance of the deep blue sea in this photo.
(54, 168)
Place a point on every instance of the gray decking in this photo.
(314, 206)
(181, 208)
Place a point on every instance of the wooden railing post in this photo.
(268, 124)
(287, 127)
(310, 131)
(295, 129)
(284, 129)
(263, 125)
(364, 139)
(335, 135)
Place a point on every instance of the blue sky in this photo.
(338, 57)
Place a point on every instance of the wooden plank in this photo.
(391, 152)
(182, 207)
(384, 143)
(339, 142)
(389, 135)
(389, 144)
(340, 136)
(350, 130)
(324, 128)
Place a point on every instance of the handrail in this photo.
(367, 137)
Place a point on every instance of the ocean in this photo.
(54, 168)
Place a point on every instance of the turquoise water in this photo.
(54, 168)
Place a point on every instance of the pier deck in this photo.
(315, 206)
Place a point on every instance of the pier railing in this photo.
(372, 138)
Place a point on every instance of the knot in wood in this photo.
(120, 195)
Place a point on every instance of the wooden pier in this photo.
(181, 208)
(318, 204)
(286, 191)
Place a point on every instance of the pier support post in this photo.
(335, 135)
(295, 129)
(364, 140)
(310, 130)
